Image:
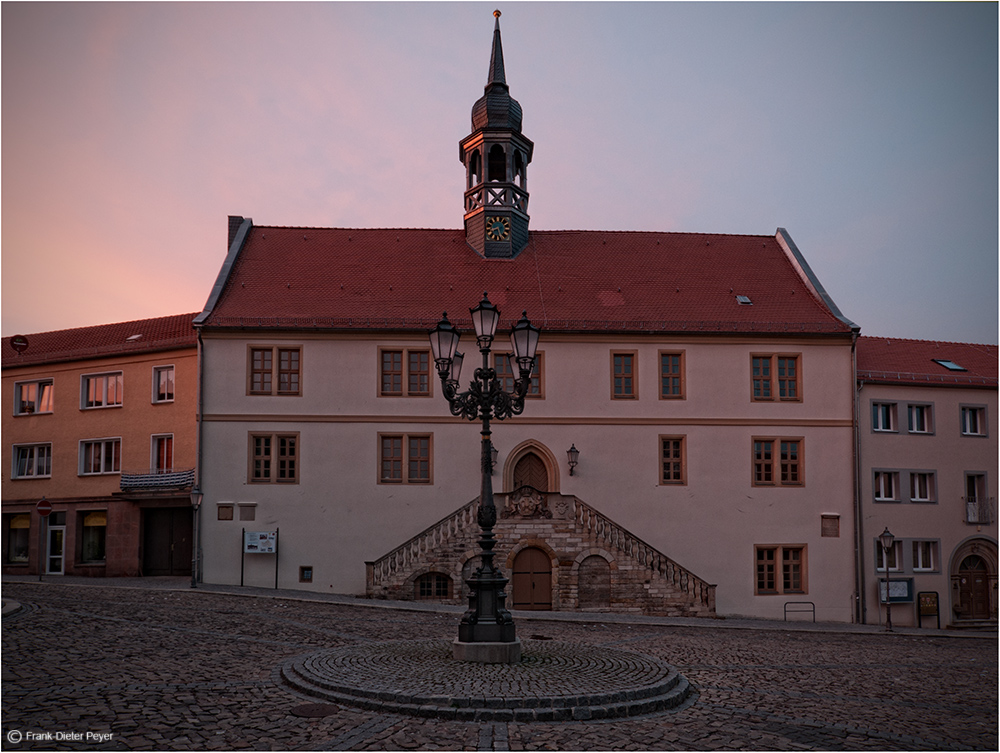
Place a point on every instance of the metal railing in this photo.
(980, 510)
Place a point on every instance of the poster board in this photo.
(900, 590)
(260, 542)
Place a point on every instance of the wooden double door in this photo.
(531, 583)
(166, 541)
(974, 588)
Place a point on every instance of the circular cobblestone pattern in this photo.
(554, 681)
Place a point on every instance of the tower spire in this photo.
(496, 156)
(496, 75)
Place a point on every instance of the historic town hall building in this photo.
(706, 381)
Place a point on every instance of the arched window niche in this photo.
(475, 176)
(497, 167)
(543, 454)
(520, 170)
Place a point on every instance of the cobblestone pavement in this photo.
(159, 669)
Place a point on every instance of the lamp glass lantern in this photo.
(485, 318)
(573, 456)
(524, 340)
(444, 343)
(885, 539)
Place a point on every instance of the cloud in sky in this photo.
(131, 131)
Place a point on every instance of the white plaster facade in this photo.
(338, 515)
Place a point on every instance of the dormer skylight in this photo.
(744, 300)
(950, 365)
(133, 338)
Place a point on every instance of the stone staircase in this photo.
(642, 578)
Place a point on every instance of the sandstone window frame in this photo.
(625, 375)
(271, 374)
(676, 388)
(396, 465)
(413, 380)
(770, 380)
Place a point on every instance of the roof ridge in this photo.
(108, 324)
(928, 342)
(542, 232)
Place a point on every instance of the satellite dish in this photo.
(19, 343)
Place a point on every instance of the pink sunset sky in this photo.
(131, 131)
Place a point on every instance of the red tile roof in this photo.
(885, 360)
(286, 277)
(162, 333)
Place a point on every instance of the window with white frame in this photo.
(33, 397)
(894, 556)
(102, 390)
(162, 453)
(922, 486)
(163, 384)
(883, 417)
(886, 484)
(98, 456)
(32, 461)
(925, 555)
(973, 421)
(919, 419)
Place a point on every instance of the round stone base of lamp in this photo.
(487, 653)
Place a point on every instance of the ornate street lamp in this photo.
(486, 632)
(885, 539)
(196, 498)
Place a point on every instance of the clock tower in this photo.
(496, 158)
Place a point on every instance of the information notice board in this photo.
(900, 589)
(259, 542)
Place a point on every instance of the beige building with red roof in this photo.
(927, 441)
(100, 422)
(705, 379)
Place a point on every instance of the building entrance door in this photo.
(166, 541)
(532, 581)
(55, 540)
(974, 588)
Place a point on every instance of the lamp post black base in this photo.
(487, 653)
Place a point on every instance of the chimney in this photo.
(234, 226)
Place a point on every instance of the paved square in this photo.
(96, 667)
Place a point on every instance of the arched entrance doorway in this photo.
(973, 589)
(532, 580)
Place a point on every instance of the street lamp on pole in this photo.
(196, 498)
(885, 539)
(486, 632)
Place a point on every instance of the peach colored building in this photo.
(100, 422)
(705, 379)
(927, 439)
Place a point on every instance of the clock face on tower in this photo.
(497, 228)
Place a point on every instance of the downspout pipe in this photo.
(196, 575)
(861, 608)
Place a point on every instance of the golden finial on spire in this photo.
(496, 14)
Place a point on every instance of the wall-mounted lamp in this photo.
(573, 455)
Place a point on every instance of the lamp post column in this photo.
(486, 632)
